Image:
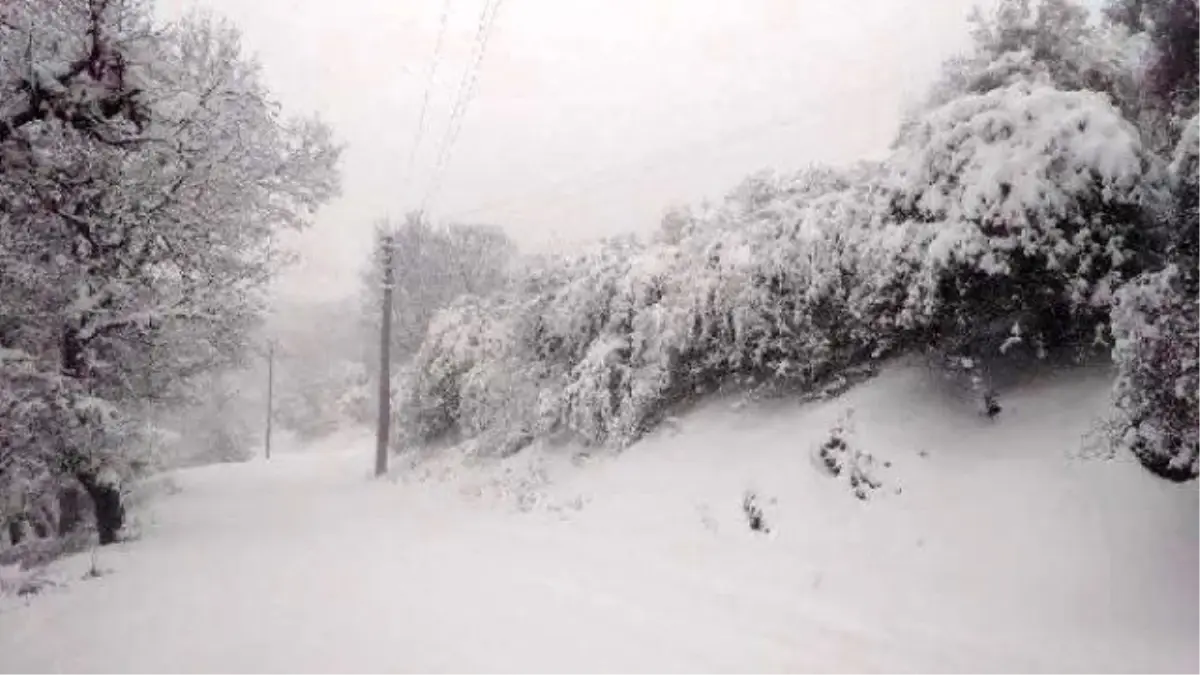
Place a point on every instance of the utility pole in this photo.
(270, 391)
(270, 362)
(385, 361)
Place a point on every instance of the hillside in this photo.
(990, 545)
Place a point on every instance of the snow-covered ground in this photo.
(989, 546)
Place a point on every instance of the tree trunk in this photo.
(110, 512)
(41, 528)
(16, 533)
(71, 507)
(106, 499)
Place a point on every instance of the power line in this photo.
(463, 97)
(433, 64)
(383, 423)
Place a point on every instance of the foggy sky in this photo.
(590, 116)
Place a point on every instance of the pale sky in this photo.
(591, 117)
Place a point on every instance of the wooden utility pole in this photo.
(270, 392)
(385, 361)
(270, 364)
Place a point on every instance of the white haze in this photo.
(591, 116)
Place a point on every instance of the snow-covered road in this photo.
(1000, 555)
(304, 565)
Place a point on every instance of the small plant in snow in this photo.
(94, 570)
(754, 513)
(838, 457)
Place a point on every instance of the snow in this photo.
(1005, 549)
(1022, 155)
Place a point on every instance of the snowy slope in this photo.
(1001, 550)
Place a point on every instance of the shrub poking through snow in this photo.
(839, 457)
(754, 513)
(972, 370)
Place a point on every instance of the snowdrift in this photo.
(1002, 544)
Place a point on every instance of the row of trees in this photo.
(1042, 198)
(144, 170)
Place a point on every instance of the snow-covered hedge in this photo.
(601, 344)
(1020, 205)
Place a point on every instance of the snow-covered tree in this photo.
(1155, 325)
(1053, 42)
(431, 266)
(145, 171)
(1024, 207)
(1164, 66)
(1172, 58)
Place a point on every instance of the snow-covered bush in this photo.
(1157, 338)
(1023, 205)
(773, 288)
(454, 387)
(1157, 352)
